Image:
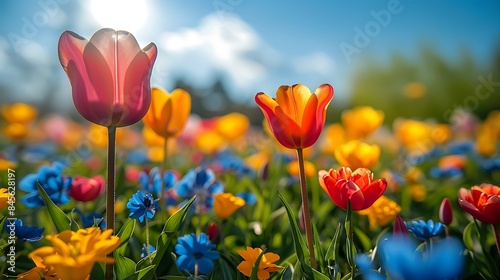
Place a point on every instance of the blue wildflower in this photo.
(144, 251)
(364, 264)
(442, 173)
(249, 197)
(151, 182)
(138, 157)
(91, 219)
(51, 180)
(142, 205)
(200, 182)
(25, 233)
(229, 162)
(401, 261)
(461, 147)
(193, 251)
(488, 164)
(423, 230)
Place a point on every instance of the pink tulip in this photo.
(109, 75)
(86, 189)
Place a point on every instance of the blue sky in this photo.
(254, 45)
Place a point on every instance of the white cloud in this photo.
(229, 47)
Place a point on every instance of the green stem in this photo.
(497, 237)
(110, 191)
(305, 207)
(351, 249)
(163, 169)
(147, 242)
(221, 233)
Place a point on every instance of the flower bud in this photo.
(445, 213)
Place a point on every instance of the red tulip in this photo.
(400, 228)
(213, 232)
(358, 187)
(86, 189)
(482, 202)
(109, 75)
(296, 117)
(445, 213)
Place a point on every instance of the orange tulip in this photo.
(297, 116)
(482, 202)
(168, 112)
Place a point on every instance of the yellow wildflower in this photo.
(356, 154)
(48, 272)
(361, 121)
(21, 113)
(333, 136)
(74, 253)
(266, 265)
(418, 192)
(226, 204)
(309, 168)
(4, 198)
(232, 126)
(414, 135)
(382, 212)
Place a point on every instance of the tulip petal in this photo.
(153, 116)
(182, 101)
(310, 128)
(286, 131)
(492, 209)
(293, 100)
(472, 210)
(373, 192)
(70, 48)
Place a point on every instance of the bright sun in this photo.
(129, 15)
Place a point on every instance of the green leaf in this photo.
(255, 267)
(124, 266)
(139, 274)
(334, 245)
(300, 246)
(171, 227)
(363, 239)
(173, 277)
(319, 249)
(60, 220)
(467, 236)
(125, 233)
(174, 222)
(97, 271)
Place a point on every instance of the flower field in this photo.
(143, 189)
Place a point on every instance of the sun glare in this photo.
(129, 15)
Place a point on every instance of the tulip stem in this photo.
(305, 207)
(351, 249)
(163, 169)
(497, 237)
(110, 191)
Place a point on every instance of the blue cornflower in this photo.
(231, 163)
(25, 233)
(144, 251)
(423, 230)
(91, 219)
(51, 180)
(200, 182)
(142, 205)
(461, 147)
(488, 164)
(152, 182)
(194, 250)
(442, 173)
(364, 264)
(249, 197)
(399, 258)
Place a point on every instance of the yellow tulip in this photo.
(210, 142)
(73, 254)
(309, 168)
(382, 212)
(441, 133)
(232, 126)
(168, 113)
(356, 154)
(361, 121)
(16, 131)
(418, 192)
(21, 113)
(486, 142)
(226, 204)
(333, 136)
(414, 135)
